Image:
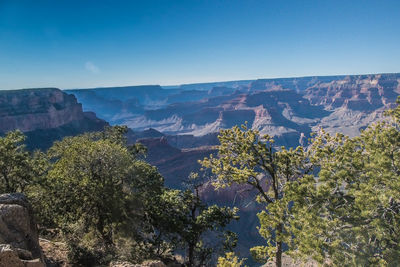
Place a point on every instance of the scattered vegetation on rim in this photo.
(336, 201)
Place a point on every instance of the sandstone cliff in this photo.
(44, 115)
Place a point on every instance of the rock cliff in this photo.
(44, 115)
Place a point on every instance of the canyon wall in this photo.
(45, 115)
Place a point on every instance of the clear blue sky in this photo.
(77, 44)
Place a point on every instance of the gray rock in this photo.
(19, 242)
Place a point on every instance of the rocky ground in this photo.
(55, 253)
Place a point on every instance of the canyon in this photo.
(285, 108)
(179, 124)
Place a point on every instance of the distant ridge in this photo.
(190, 86)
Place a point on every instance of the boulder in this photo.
(19, 242)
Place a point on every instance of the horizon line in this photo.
(228, 81)
(211, 82)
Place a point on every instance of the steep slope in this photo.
(355, 101)
(45, 115)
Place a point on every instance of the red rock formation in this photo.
(29, 110)
(45, 115)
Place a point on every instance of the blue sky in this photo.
(78, 44)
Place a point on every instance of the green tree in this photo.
(188, 222)
(89, 177)
(18, 167)
(230, 260)
(244, 157)
(98, 184)
(350, 213)
(146, 228)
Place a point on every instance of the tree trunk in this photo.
(8, 187)
(192, 244)
(191, 254)
(278, 253)
(105, 235)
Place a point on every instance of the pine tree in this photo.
(246, 158)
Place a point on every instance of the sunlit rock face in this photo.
(44, 115)
(32, 109)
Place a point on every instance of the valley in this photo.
(180, 125)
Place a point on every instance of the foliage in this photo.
(350, 214)
(142, 231)
(89, 178)
(338, 202)
(109, 203)
(244, 157)
(230, 260)
(79, 255)
(190, 222)
(97, 191)
(18, 167)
